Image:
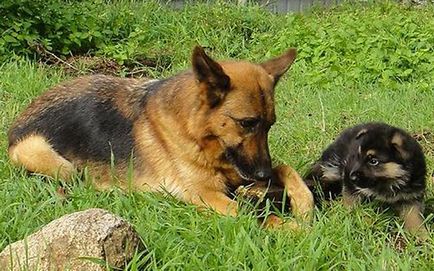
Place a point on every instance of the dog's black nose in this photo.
(354, 175)
(263, 174)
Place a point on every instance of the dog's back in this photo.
(88, 118)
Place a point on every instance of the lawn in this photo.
(356, 63)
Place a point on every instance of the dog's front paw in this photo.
(274, 222)
(301, 198)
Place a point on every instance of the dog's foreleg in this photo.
(411, 213)
(349, 199)
(217, 201)
(301, 198)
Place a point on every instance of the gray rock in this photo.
(75, 242)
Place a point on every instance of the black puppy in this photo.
(373, 161)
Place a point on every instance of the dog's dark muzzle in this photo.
(256, 169)
(263, 174)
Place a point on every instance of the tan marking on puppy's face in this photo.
(376, 168)
(390, 170)
(370, 153)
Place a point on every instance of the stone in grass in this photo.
(75, 242)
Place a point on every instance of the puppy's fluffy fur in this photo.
(373, 161)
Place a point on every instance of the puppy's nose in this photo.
(354, 175)
(263, 174)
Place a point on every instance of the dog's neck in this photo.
(179, 103)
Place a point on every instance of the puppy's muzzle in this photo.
(354, 175)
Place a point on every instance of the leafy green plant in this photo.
(355, 63)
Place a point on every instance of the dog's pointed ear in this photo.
(209, 73)
(361, 133)
(398, 143)
(276, 67)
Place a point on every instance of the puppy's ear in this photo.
(276, 67)
(361, 133)
(398, 143)
(211, 76)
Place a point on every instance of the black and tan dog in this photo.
(194, 135)
(374, 161)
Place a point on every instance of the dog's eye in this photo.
(249, 123)
(373, 161)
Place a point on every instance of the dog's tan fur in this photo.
(302, 202)
(37, 155)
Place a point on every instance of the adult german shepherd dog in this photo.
(195, 135)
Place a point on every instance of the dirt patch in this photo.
(399, 243)
(424, 136)
(88, 64)
(426, 140)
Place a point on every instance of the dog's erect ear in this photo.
(211, 74)
(398, 144)
(276, 67)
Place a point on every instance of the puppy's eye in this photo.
(373, 162)
(249, 123)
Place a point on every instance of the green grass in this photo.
(336, 82)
